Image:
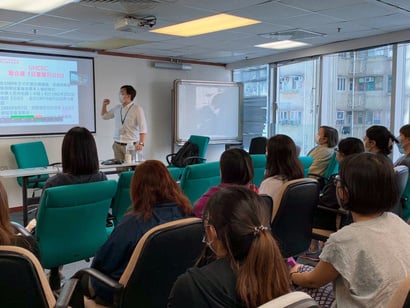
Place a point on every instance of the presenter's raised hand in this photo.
(106, 102)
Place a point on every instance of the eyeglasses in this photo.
(336, 149)
(336, 179)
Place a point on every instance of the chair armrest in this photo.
(65, 297)
(336, 211)
(19, 228)
(99, 276)
(195, 157)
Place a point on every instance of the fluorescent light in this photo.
(208, 24)
(33, 6)
(286, 44)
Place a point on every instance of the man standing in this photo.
(130, 124)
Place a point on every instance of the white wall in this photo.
(153, 94)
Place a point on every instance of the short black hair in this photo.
(405, 130)
(236, 167)
(370, 181)
(351, 145)
(130, 91)
(331, 134)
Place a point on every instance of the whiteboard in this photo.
(208, 108)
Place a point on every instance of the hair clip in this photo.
(257, 230)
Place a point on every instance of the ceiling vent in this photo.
(134, 24)
(295, 34)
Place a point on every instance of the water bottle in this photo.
(131, 151)
(140, 157)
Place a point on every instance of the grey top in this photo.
(372, 258)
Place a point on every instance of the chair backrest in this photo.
(402, 174)
(293, 214)
(257, 145)
(332, 167)
(202, 143)
(306, 162)
(401, 298)
(176, 172)
(23, 282)
(259, 167)
(296, 299)
(405, 198)
(162, 254)
(122, 198)
(71, 221)
(197, 179)
(30, 155)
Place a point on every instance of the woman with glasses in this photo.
(323, 219)
(247, 269)
(367, 259)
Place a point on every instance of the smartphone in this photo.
(291, 262)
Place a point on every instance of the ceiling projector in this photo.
(132, 23)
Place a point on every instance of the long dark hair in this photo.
(79, 152)
(282, 159)
(241, 224)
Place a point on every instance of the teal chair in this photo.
(259, 166)
(202, 143)
(197, 179)
(71, 223)
(30, 155)
(306, 162)
(122, 199)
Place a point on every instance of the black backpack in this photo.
(182, 157)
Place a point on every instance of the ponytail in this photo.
(262, 275)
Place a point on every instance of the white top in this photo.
(129, 122)
(270, 186)
(372, 257)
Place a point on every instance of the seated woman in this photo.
(323, 219)
(79, 158)
(326, 138)
(248, 269)
(156, 199)
(236, 168)
(8, 234)
(404, 147)
(282, 164)
(367, 259)
(379, 140)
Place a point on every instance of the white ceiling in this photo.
(92, 23)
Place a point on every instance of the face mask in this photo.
(121, 98)
(317, 139)
(400, 147)
(204, 240)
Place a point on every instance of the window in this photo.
(341, 84)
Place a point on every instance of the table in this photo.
(26, 173)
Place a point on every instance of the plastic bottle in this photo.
(131, 150)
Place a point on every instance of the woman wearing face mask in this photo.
(249, 269)
(367, 259)
(326, 139)
(379, 140)
(404, 147)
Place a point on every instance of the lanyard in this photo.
(122, 120)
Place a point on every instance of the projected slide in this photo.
(45, 94)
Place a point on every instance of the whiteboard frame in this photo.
(178, 139)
